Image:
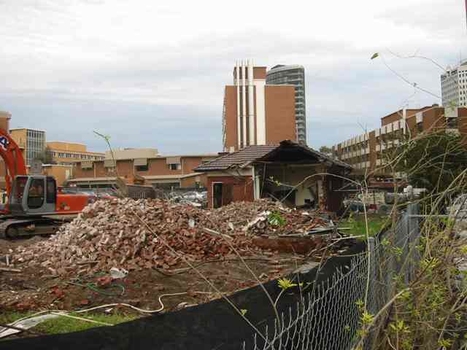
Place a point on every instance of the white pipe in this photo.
(251, 106)
(244, 103)
(239, 124)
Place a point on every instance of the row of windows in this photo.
(35, 145)
(356, 147)
(176, 166)
(390, 140)
(36, 134)
(76, 156)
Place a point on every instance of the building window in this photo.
(174, 166)
(420, 127)
(451, 123)
(142, 168)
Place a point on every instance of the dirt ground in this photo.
(33, 289)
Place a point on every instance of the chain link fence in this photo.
(329, 315)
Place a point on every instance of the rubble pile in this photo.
(112, 234)
(130, 234)
(258, 218)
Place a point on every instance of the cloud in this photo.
(168, 128)
(164, 65)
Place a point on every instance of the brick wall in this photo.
(434, 120)
(156, 166)
(60, 173)
(462, 124)
(280, 114)
(190, 182)
(230, 100)
(242, 189)
(98, 170)
(391, 118)
(188, 164)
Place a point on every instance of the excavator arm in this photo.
(13, 158)
(32, 199)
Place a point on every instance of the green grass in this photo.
(65, 324)
(357, 227)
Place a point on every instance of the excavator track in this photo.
(11, 228)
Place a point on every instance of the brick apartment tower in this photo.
(256, 113)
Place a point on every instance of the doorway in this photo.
(217, 189)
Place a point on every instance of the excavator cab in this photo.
(33, 195)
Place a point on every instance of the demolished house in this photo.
(289, 172)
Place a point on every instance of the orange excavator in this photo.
(35, 204)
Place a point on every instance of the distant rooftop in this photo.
(11, 129)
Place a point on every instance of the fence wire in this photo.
(329, 316)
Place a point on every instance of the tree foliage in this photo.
(46, 157)
(326, 150)
(434, 161)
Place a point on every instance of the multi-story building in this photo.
(369, 152)
(292, 75)
(30, 141)
(159, 171)
(256, 113)
(454, 86)
(131, 153)
(33, 145)
(68, 153)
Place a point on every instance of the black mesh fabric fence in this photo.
(322, 314)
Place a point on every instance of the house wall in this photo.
(320, 188)
(333, 199)
(290, 175)
(242, 188)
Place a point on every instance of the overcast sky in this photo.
(152, 73)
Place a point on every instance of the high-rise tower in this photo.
(292, 75)
(256, 113)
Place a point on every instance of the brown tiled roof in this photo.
(239, 158)
(321, 157)
(250, 154)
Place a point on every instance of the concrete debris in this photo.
(126, 234)
(117, 273)
(266, 217)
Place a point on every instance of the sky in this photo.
(152, 73)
